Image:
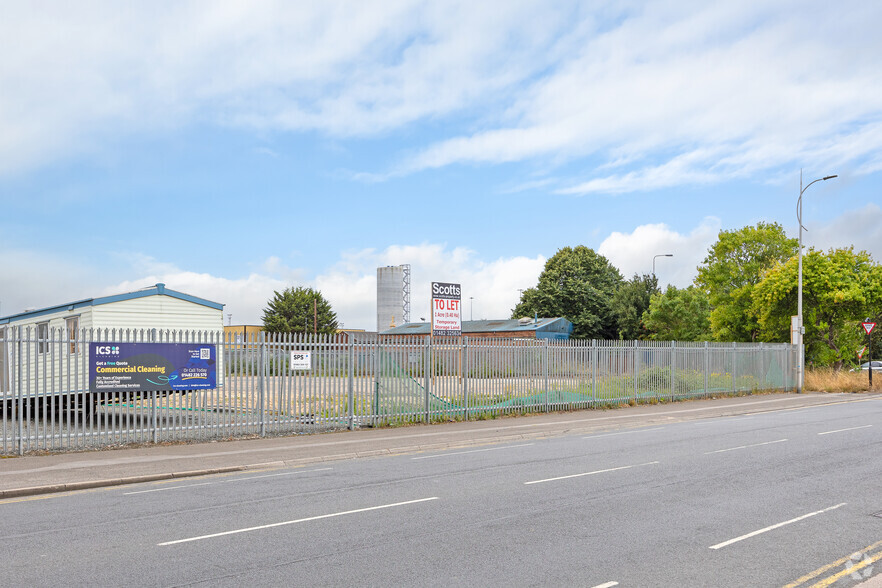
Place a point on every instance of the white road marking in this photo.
(472, 451)
(623, 433)
(168, 488)
(745, 446)
(607, 585)
(590, 473)
(225, 481)
(841, 430)
(277, 475)
(760, 531)
(294, 522)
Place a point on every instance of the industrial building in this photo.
(557, 328)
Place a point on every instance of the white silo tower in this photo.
(393, 296)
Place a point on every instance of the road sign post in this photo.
(868, 327)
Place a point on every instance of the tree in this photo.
(735, 264)
(294, 310)
(579, 284)
(678, 315)
(840, 289)
(630, 302)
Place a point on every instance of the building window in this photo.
(42, 337)
(72, 324)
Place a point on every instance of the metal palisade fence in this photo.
(284, 384)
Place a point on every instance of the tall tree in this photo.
(579, 284)
(735, 264)
(840, 289)
(678, 315)
(294, 310)
(630, 302)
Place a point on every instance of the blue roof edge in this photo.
(71, 306)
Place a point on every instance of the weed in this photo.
(830, 380)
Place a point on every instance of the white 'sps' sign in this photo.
(446, 309)
(301, 360)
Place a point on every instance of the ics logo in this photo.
(107, 350)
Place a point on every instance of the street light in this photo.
(659, 255)
(800, 369)
(472, 309)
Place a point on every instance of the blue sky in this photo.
(232, 149)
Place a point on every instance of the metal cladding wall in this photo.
(390, 297)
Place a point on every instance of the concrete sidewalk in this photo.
(31, 475)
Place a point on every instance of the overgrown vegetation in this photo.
(745, 291)
(832, 380)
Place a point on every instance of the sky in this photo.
(233, 149)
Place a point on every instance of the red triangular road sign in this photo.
(868, 327)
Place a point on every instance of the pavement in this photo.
(63, 472)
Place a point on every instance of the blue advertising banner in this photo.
(142, 367)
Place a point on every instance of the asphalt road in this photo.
(759, 500)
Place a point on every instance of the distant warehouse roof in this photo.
(540, 328)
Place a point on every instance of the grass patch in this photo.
(830, 380)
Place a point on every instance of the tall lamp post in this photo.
(800, 369)
(659, 255)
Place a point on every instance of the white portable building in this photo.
(49, 342)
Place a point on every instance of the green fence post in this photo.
(351, 399)
(376, 366)
(465, 376)
(706, 367)
(636, 364)
(546, 375)
(594, 372)
(261, 389)
(734, 368)
(429, 375)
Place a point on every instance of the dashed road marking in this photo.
(294, 522)
(843, 430)
(163, 489)
(590, 473)
(776, 526)
(472, 451)
(745, 446)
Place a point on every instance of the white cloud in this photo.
(680, 170)
(694, 92)
(633, 252)
(350, 284)
(688, 92)
(861, 228)
(76, 75)
(244, 298)
(33, 279)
